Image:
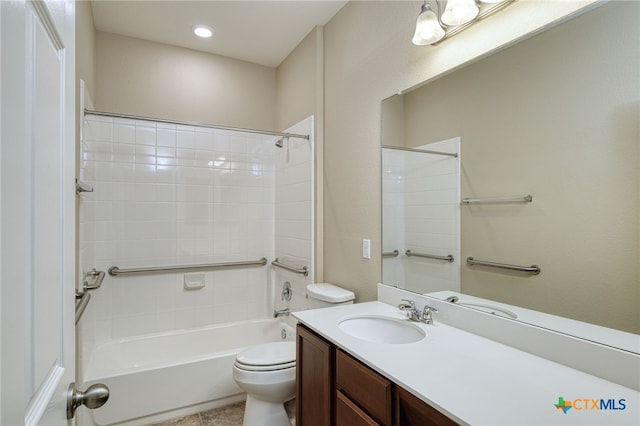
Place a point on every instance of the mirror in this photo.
(555, 117)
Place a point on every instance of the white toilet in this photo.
(267, 372)
(323, 295)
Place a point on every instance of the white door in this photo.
(37, 194)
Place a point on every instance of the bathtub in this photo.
(164, 373)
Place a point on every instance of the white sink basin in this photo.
(381, 329)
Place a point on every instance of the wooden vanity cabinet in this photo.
(412, 411)
(366, 389)
(314, 379)
(333, 388)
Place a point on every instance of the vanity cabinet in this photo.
(314, 379)
(365, 388)
(333, 388)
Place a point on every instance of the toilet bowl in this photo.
(267, 373)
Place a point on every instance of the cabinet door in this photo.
(412, 411)
(314, 371)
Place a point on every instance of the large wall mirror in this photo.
(542, 142)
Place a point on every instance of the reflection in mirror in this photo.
(421, 217)
(555, 117)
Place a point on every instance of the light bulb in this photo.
(428, 29)
(458, 12)
(202, 31)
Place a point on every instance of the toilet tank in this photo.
(323, 295)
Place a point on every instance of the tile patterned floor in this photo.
(230, 415)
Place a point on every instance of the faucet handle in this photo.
(408, 307)
(427, 312)
(429, 308)
(407, 304)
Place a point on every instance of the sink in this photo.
(381, 329)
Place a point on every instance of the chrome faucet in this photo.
(281, 313)
(409, 306)
(427, 314)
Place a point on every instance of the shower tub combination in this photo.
(153, 377)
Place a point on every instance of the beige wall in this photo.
(555, 116)
(369, 57)
(85, 46)
(144, 78)
(297, 78)
(300, 94)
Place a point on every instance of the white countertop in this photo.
(475, 380)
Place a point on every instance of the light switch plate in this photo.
(366, 248)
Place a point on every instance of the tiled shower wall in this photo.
(392, 215)
(427, 187)
(294, 219)
(169, 194)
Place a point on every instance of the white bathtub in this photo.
(164, 373)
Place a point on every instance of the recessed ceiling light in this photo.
(203, 31)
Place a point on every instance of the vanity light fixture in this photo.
(203, 31)
(433, 26)
(458, 12)
(428, 28)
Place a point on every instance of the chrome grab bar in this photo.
(533, 269)
(304, 270)
(115, 271)
(394, 253)
(92, 279)
(448, 258)
(488, 200)
(81, 305)
(82, 187)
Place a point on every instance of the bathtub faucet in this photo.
(281, 312)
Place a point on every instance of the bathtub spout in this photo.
(281, 312)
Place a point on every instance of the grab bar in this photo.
(448, 258)
(487, 200)
(533, 269)
(115, 271)
(82, 187)
(92, 279)
(82, 304)
(304, 270)
(394, 253)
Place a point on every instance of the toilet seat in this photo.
(267, 357)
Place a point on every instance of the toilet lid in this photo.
(276, 355)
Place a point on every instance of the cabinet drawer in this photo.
(369, 390)
(349, 414)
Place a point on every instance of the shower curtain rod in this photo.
(424, 151)
(188, 123)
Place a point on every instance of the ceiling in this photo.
(263, 32)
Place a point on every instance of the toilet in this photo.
(324, 295)
(267, 372)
